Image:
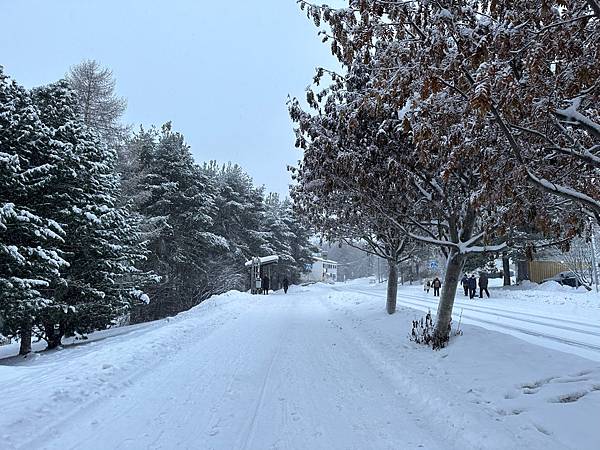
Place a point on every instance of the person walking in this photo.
(472, 283)
(437, 284)
(265, 285)
(427, 285)
(483, 284)
(286, 285)
(465, 284)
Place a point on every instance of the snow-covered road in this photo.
(322, 367)
(278, 374)
(557, 330)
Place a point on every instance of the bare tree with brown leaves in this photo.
(461, 82)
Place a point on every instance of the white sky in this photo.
(220, 70)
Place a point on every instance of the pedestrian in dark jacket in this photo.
(465, 284)
(427, 286)
(472, 283)
(437, 284)
(265, 285)
(483, 285)
(286, 284)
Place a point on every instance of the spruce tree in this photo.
(29, 258)
(98, 285)
(177, 201)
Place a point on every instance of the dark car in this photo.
(568, 278)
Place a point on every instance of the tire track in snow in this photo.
(197, 328)
(500, 326)
(516, 315)
(553, 321)
(251, 431)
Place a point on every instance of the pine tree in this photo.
(287, 237)
(29, 258)
(177, 201)
(98, 285)
(239, 212)
(299, 236)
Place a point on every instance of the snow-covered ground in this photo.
(549, 314)
(323, 367)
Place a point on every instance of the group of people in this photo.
(266, 284)
(436, 284)
(469, 285)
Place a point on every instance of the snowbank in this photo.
(47, 389)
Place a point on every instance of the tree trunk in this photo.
(444, 313)
(25, 335)
(506, 269)
(392, 286)
(53, 337)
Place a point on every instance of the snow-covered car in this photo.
(567, 278)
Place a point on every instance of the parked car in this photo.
(493, 273)
(568, 278)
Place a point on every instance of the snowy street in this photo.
(555, 319)
(323, 367)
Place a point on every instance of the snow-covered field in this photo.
(323, 367)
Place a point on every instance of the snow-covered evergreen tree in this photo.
(177, 201)
(204, 222)
(101, 246)
(287, 237)
(30, 260)
(239, 211)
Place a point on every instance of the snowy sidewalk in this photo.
(323, 367)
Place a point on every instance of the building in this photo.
(322, 269)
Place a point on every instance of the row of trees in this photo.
(98, 224)
(69, 251)
(203, 222)
(467, 126)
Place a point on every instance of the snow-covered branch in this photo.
(572, 116)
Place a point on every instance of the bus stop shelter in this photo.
(259, 267)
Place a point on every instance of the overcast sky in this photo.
(220, 70)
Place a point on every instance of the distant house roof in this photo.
(264, 260)
(316, 258)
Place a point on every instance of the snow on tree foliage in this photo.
(288, 237)
(493, 98)
(168, 189)
(203, 222)
(30, 258)
(102, 248)
(67, 250)
(347, 185)
(80, 244)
